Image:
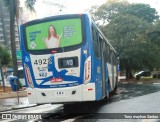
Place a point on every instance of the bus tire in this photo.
(116, 85)
(115, 88)
(107, 97)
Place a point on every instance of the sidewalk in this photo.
(9, 100)
(12, 104)
(10, 94)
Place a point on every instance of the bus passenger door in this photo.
(102, 52)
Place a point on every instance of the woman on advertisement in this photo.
(53, 40)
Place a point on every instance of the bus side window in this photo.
(100, 42)
(104, 52)
(107, 53)
(110, 56)
(95, 42)
(114, 60)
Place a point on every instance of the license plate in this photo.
(60, 93)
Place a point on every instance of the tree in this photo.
(113, 8)
(4, 60)
(143, 11)
(127, 35)
(154, 37)
(127, 26)
(4, 56)
(13, 7)
(108, 11)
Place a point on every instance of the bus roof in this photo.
(56, 16)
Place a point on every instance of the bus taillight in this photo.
(28, 76)
(87, 70)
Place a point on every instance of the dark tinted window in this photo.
(95, 42)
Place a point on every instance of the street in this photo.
(129, 98)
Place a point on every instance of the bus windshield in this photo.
(54, 34)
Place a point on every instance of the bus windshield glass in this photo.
(54, 34)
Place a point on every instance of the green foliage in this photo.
(128, 35)
(143, 11)
(154, 37)
(134, 32)
(4, 56)
(113, 8)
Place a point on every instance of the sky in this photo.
(46, 8)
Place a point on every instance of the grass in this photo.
(147, 78)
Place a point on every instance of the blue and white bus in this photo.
(67, 59)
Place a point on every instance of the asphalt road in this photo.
(130, 98)
(128, 91)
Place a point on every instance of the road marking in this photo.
(156, 83)
(139, 82)
(8, 120)
(150, 120)
(125, 82)
(69, 120)
(73, 119)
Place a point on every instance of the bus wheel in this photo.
(107, 97)
(116, 85)
(115, 88)
(108, 91)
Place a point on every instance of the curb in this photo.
(138, 83)
(13, 94)
(17, 108)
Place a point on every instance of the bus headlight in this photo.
(87, 70)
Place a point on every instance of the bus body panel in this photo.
(44, 74)
(84, 92)
(97, 77)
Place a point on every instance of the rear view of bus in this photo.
(56, 59)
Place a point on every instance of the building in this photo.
(5, 29)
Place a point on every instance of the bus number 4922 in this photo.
(42, 61)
